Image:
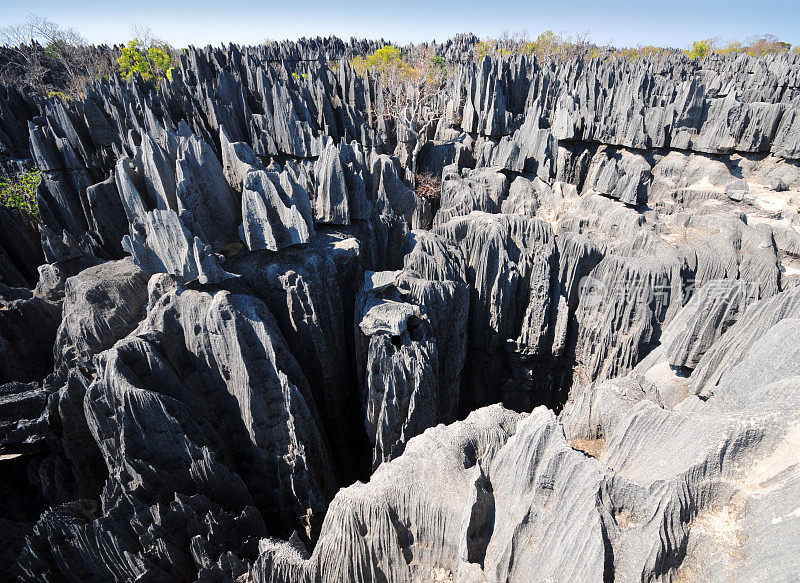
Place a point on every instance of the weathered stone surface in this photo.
(614, 236)
(102, 304)
(411, 347)
(482, 190)
(331, 199)
(311, 291)
(733, 346)
(271, 217)
(27, 332)
(712, 310)
(203, 192)
(163, 244)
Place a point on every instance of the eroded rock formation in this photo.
(243, 346)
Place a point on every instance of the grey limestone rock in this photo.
(713, 309)
(203, 191)
(102, 304)
(271, 217)
(411, 356)
(331, 199)
(732, 346)
(163, 244)
(482, 190)
(614, 236)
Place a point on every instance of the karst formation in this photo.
(244, 345)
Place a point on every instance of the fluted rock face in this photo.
(163, 243)
(20, 256)
(216, 422)
(101, 305)
(733, 347)
(251, 289)
(28, 329)
(263, 206)
(311, 292)
(480, 191)
(433, 256)
(522, 197)
(509, 261)
(710, 312)
(619, 317)
(436, 488)
(245, 370)
(411, 356)
(625, 176)
(331, 199)
(530, 504)
(23, 417)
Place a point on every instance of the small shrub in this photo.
(483, 48)
(60, 94)
(700, 49)
(733, 46)
(20, 192)
(547, 44)
(768, 45)
(639, 52)
(385, 60)
(151, 63)
(437, 70)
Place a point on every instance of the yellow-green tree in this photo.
(409, 86)
(700, 49)
(385, 60)
(152, 63)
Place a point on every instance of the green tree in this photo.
(437, 70)
(385, 60)
(700, 49)
(150, 58)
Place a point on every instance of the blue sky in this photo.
(625, 22)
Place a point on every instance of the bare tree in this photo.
(427, 185)
(410, 90)
(47, 56)
(41, 47)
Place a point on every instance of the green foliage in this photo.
(547, 44)
(550, 44)
(151, 63)
(60, 95)
(758, 46)
(133, 60)
(20, 192)
(700, 49)
(385, 60)
(639, 52)
(491, 47)
(437, 71)
(485, 47)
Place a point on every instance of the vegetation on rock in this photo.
(19, 192)
(152, 63)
